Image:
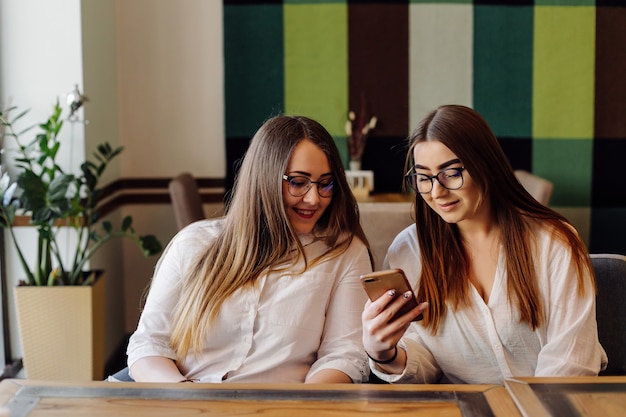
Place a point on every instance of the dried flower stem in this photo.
(358, 128)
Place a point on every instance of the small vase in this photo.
(355, 165)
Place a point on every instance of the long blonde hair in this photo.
(257, 235)
(445, 261)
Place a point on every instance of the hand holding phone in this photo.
(379, 282)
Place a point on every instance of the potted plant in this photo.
(53, 199)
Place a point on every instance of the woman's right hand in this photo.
(380, 333)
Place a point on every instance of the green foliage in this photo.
(53, 197)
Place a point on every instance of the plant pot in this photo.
(62, 331)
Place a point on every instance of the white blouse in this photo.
(284, 329)
(486, 343)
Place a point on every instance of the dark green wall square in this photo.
(503, 57)
(253, 66)
(567, 163)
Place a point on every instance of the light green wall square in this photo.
(563, 72)
(565, 2)
(316, 63)
(567, 163)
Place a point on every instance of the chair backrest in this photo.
(381, 223)
(610, 272)
(186, 200)
(538, 187)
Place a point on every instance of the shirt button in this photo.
(497, 346)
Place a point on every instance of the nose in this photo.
(438, 189)
(311, 196)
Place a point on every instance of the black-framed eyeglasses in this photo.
(450, 179)
(299, 185)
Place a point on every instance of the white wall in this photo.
(40, 61)
(171, 110)
(152, 71)
(171, 87)
(100, 64)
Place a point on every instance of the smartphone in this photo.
(379, 282)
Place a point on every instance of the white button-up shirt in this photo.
(283, 329)
(485, 343)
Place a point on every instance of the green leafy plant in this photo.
(55, 198)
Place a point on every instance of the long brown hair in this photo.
(445, 261)
(257, 235)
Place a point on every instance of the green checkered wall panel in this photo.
(546, 74)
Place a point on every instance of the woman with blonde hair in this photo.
(270, 292)
(506, 284)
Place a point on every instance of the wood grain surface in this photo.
(38, 399)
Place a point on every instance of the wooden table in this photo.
(583, 396)
(536, 397)
(39, 399)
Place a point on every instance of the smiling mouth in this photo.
(448, 206)
(304, 213)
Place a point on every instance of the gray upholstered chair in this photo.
(610, 272)
(122, 375)
(186, 200)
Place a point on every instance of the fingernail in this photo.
(407, 295)
(391, 293)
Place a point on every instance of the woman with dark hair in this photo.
(270, 292)
(506, 284)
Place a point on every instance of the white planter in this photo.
(62, 331)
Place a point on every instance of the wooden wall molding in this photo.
(129, 191)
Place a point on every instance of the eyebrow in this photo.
(307, 174)
(442, 166)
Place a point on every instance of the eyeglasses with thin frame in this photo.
(299, 185)
(450, 179)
